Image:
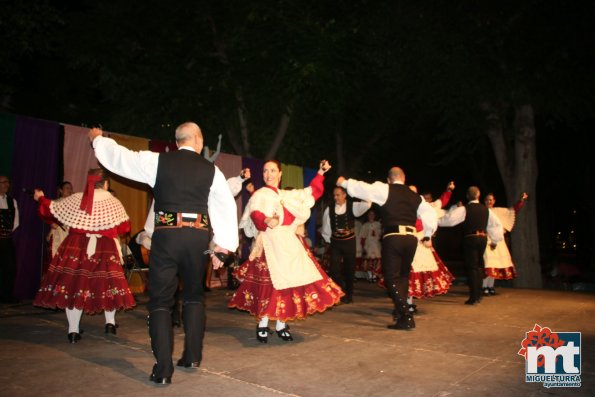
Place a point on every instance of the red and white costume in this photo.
(498, 262)
(86, 272)
(282, 279)
(429, 276)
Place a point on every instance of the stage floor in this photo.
(456, 350)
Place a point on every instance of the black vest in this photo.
(7, 218)
(400, 207)
(183, 182)
(476, 218)
(344, 222)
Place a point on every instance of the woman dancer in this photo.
(498, 262)
(282, 280)
(86, 273)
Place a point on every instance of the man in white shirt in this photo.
(478, 222)
(338, 229)
(9, 221)
(399, 208)
(191, 197)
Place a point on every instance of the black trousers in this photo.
(473, 250)
(177, 252)
(397, 255)
(8, 268)
(343, 264)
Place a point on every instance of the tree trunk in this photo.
(281, 131)
(517, 164)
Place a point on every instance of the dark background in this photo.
(369, 85)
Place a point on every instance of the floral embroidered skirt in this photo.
(91, 284)
(257, 295)
(425, 284)
(498, 263)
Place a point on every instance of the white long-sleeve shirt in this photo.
(377, 192)
(142, 167)
(457, 215)
(359, 208)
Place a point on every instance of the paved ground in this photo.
(456, 350)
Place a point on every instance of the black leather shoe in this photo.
(346, 300)
(471, 302)
(492, 291)
(405, 322)
(285, 334)
(266, 331)
(160, 381)
(111, 328)
(182, 363)
(74, 337)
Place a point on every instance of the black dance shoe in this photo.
(405, 322)
(472, 301)
(266, 330)
(111, 328)
(166, 380)
(182, 363)
(285, 334)
(492, 291)
(346, 300)
(74, 337)
(486, 292)
(412, 309)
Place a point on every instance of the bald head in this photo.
(473, 193)
(396, 174)
(189, 134)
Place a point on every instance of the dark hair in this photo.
(101, 174)
(273, 161)
(63, 183)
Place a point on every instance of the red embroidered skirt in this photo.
(430, 283)
(507, 273)
(257, 295)
(91, 284)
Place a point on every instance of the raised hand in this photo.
(94, 133)
(323, 167)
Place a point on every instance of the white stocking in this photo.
(74, 318)
(410, 300)
(280, 325)
(110, 317)
(263, 323)
(490, 281)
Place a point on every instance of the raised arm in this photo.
(519, 204)
(137, 166)
(376, 192)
